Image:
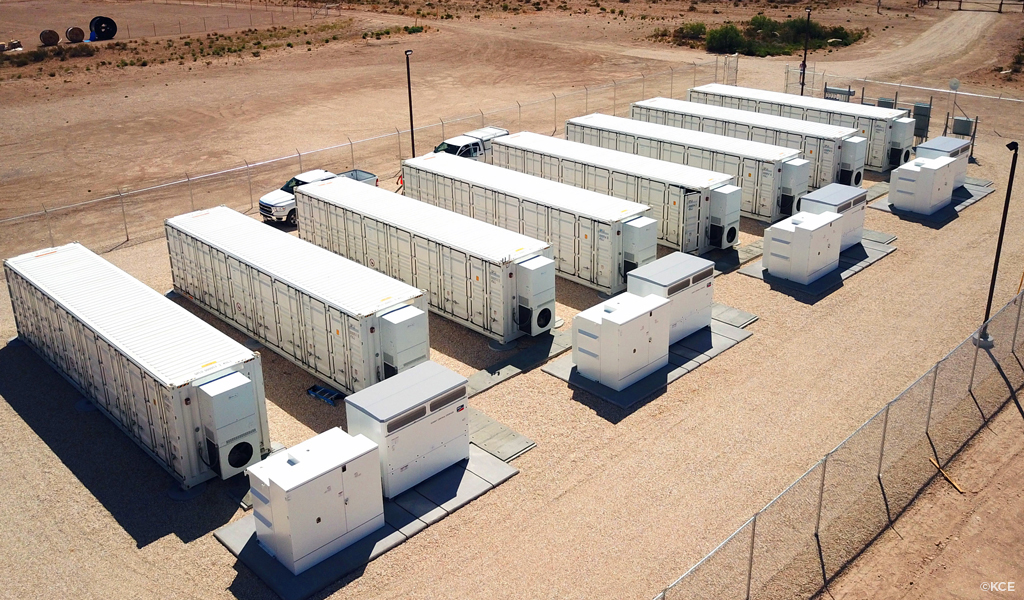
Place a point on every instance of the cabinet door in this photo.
(362, 490)
(316, 512)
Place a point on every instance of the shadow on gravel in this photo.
(123, 478)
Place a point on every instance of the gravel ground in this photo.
(610, 503)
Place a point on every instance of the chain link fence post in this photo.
(124, 215)
(398, 136)
(555, 115)
(191, 197)
(351, 151)
(300, 159)
(750, 557)
(615, 89)
(671, 82)
(48, 227)
(248, 176)
(817, 521)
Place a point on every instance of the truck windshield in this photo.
(443, 147)
(291, 185)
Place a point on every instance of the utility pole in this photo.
(807, 41)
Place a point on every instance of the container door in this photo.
(535, 220)
(159, 428)
(623, 186)
(625, 143)
(339, 346)
(572, 173)
(361, 371)
(321, 344)
(123, 390)
(701, 158)
(673, 217)
(456, 295)
(482, 201)
(592, 136)
(354, 239)
(496, 313)
(609, 267)
(375, 236)
(427, 277)
(750, 178)
(845, 120)
(692, 228)
(239, 297)
(746, 104)
(532, 164)
(563, 241)
(108, 394)
(816, 116)
(477, 292)
(694, 123)
(550, 167)
(336, 219)
(574, 133)
(769, 108)
(597, 179)
(649, 148)
(586, 249)
(652, 193)
(792, 112)
(878, 143)
(819, 171)
(461, 197)
(223, 282)
(288, 318)
(267, 315)
(760, 134)
(400, 243)
(443, 186)
(508, 212)
(139, 405)
(769, 187)
(790, 140)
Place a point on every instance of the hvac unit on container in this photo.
(344, 323)
(847, 201)
(316, 498)
(953, 148)
(683, 199)
(687, 282)
(622, 340)
(804, 247)
(596, 239)
(923, 185)
(771, 177)
(189, 395)
(889, 131)
(493, 281)
(419, 421)
(836, 153)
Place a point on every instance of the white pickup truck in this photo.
(474, 144)
(279, 205)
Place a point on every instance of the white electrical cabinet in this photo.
(491, 280)
(821, 144)
(344, 323)
(622, 340)
(888, 146)
(957, 148)
(688, 284)
(679, 196)
(847, 201)
(851, 161)
(316, 498)
(804, 247)
(189, 395)
(418, 419)
(771, 177)
(725, 216)
(923, 185)
(586, 230)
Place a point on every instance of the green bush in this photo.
(690, 31)
(727, 39)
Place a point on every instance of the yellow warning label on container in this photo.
(208, 364)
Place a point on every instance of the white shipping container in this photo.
(316, 498)
(771, 177)
(823, 145)
(344, 323)
(680, 196)
(189, 395)
(804, 247)
(418, 419)
(589, 232)
(876, 123)
(494, 281)
(622, 340)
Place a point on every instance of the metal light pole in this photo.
(983, 339)
(807, 40)
(408, 78)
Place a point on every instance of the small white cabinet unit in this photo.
(687, 282)
(953, 148)
(316, 498)
(849, 202)
(923, 185)
(804, 247)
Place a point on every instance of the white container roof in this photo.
(157, 334)
(640, 166)
(746, 117)
(474, 237)
(835, 194)
(688, 137)
(835, 106)
(599, 207)
(403, 392)
(349, 286)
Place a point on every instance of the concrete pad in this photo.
(402, 520)
(978, 182)
(496, 438)
(963, 196)
(851, 261)
(878, 190)
(415, 504)
(240, 539)
(454, 487)
(544, 348)
(878, 236)
(732, 316)
(488, 467)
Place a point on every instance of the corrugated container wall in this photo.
(468, 267)
(591, 233)
(759, 169)
(820, 144)
(679, 195)
(145, 362)
(873, 122)
(335, 318)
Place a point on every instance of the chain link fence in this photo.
(136, 212)
(800, 541)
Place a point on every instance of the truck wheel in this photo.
(291, 218)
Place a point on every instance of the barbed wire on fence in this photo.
(804, 538)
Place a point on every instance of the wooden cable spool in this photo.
(49, 37)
